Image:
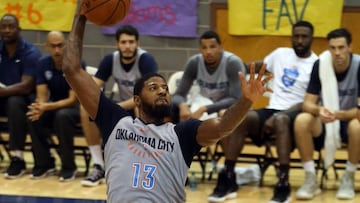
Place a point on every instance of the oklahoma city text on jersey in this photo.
(159, 144)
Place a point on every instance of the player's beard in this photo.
(302, 52)
(127, 58)
(159, 112)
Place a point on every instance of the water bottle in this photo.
(192, 182)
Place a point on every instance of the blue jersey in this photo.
(54, 79)
(145, 162)
(24, 62)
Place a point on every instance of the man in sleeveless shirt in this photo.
(125, 65)
(318, 115)
(147, 158)
(215, 72)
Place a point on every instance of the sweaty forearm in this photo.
(234, 115)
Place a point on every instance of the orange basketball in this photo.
(105, 12)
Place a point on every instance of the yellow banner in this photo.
(275, 17)
(41, 14)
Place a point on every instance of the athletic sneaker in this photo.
(310, 188)
(282, 192)
(67, 175)
(16, 169)
(39, 173)
(95, 178)
(346, 189)
(226, 187)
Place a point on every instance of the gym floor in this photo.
(50, 190)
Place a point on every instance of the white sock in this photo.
(309, 166)
(19, 153)
(350, 166)
(97, 155)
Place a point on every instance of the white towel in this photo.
(330, 99)
(197, 101)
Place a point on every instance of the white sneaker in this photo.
(346, 189)
(310, 188)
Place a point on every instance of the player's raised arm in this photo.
(211, 130)
(80, 81)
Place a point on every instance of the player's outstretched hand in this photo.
(255, 87)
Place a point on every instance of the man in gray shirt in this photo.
(215, 71)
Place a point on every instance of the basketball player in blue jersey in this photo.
(215, 71)
(125, 65)
(146, 158)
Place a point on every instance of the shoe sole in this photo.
(288, 200)
(231, 195)
(304, 197)
(61, 179)
(7, 176)
(88, 183)
(49, 172)
(345, 197)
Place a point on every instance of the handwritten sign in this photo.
(276, 17)
(161, 18)
(41, 14)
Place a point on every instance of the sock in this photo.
(309, 166)
(284, 171)
(350, 166)
(229, 165)
(19, 153)
(96, 155)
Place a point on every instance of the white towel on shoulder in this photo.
(330, 99)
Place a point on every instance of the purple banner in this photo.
(171, 18)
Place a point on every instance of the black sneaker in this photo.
(95, 178)
(226, 187)
(67, 175)
(281, 193)
(39, 173)
(16, 169)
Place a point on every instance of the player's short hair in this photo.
(304, 23)
(340, 32)
(210, 35)
(12, 16)
(139, 85)
(127, 29)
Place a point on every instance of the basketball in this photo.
(105, 12)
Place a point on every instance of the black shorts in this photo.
(264, 114)
(320, 141)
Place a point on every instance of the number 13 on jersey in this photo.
(143, 176)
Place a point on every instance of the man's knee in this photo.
(304, 121)
(63, 116)
(16, 103)
(282, 120)
(354, 129)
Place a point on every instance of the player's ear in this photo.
(137, 100)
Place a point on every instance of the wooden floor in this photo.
(51, 187)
